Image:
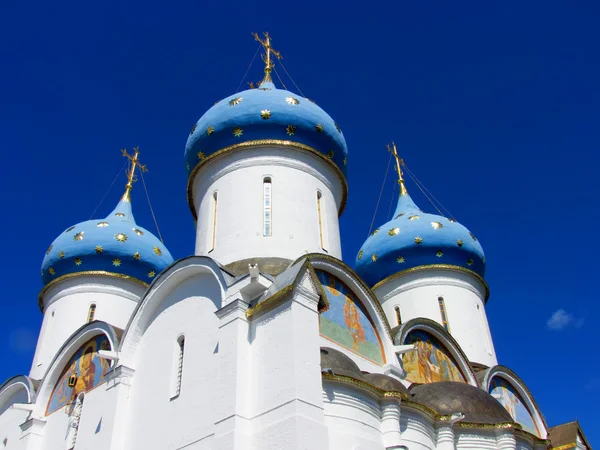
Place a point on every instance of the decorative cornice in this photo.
(101, 273)
(364, 385)
(269, 302)
(565, 446)
(435, 267)
(262, 142)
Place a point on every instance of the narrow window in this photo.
(320, 215)
(267, 208)
(398, 317)
(91, 312)
(213, 224)
(5, 442)
(444, 314)
(178, 369)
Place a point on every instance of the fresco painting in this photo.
(502, 391)
(346, 322)
(89, 369)
(430, 362)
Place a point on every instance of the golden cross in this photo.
(266, 43)
(133, 162)
(399, 164)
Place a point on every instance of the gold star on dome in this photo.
(437, 225)
(51, 271)
(194, 128)
(61, 254)
(201, 156)
(360, 254)
(345, 160)
(119, 214)
(373, 257)
(375, 232)
(151, 274)
(78, 236)
(77, 261)
(452, 220)
(210, 130)
(292, 100)
(459, 242)
(102, 224)
(137, 256)
(187, 166)
(414, 217)
(470, 262)
(265, 114)
(473, 236)
(99, 249)
(319, 128)
(394, 231)
(291, 130)
(399, 215)
(418, 240)
(439, 254)
(121, 237)
(400, 259)
(49, 250)
(237, 132)
(157, 250)
(116, 262)
(330, 154)
(137, 231)
(235, 101)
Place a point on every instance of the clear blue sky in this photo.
(494, 105)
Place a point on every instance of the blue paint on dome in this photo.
(115, 244)
(220, 126)
(395, 246)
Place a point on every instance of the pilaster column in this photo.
(118, 388)
(31, 433)
(390, 424)
(445, 437)
(506, 440)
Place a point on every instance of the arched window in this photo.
(213, 224)
(178, 367)
(267, 207)
(444, 314)
(320, 215)
(91, 312)
(398, 317)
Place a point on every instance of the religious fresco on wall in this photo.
(502, 391)
(347, 322)
(430, 362)
(89, 370)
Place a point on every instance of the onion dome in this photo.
(113, 246)
(416, 239)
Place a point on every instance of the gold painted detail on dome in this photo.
(319, 128)
(121, 237)
(119, 214)
(472, 236)
(61, 254)
(138, 231)
(201, 156)
(374, 257)
(265, 114)
(400, 259)
(291, 130)
(78, 236)
(375, 232)
(292, 100)
(451, 220)
(437, 225)
(77, 261)
(414, 217)
(157, 250)
(235, 101)
(49, 250)
(418, 240)
(116, 262)
(102, 224)
(459, 242)
(151, 274)
(330, 154)
(470, 262)
(194, 128)
(51, 271)
(137, 256)
(345, 160)
(360, 254)
(439, 253)
(399, 215)
(237, 132)
(394, 231)
(210, 130)
(99, 249)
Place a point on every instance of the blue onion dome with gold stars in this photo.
(414, 239)
(114, 246)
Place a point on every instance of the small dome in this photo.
(449, 397)
(265, 114)
(115, 245)
(385, 382)
(414, 238)
(339, 363)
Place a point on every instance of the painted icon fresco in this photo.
(502, 391)
(347, 322)
(430, 362)
(89, 370)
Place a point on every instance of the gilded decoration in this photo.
(121, 237)
(49, 250)
(459, 242)
(437, 225)
(431, 362)
(265, 114)
(319, 128)
(347, 322)
(69, 229)
(345, 160)
(151, 274)
(99, 249)
(414, 217)
(210, 130)
(86, 368)
(235, 101)
(394, 231)
(77, 261)
(292, 100)
(452, 220)
(374, 257)
(51, 271)
(157, 251)
(400, 259)
(201, 156)
(291, 130)
(330, 154)
(375, 232)
(116, 262)
(360, 254)
(102, 224)
(399, 215)
(237, 132)
(78, 236)
(194, 128)
(138, 231)
(137, 256)
(418, 240)
(61, 254)
(439, 253)
(470, 262)
(119, 214)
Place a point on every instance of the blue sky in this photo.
(494, 105)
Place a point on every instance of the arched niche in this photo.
(437, 356)
(19, 389)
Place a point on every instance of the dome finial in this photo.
(266, 43)
(134, 161)
(399, 164)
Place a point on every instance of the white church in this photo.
(265, 338)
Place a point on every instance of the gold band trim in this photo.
(364, 385)
(565, 446)
(102, 273)
(435, 267)
(256, 143)
(269, 302)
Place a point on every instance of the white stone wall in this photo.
(237, 178)
(417, 293)
(10, 419)
(66, 310)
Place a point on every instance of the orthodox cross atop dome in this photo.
(399, 163)
(266, 57)
(131, 178)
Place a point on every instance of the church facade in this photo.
(265, 338)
